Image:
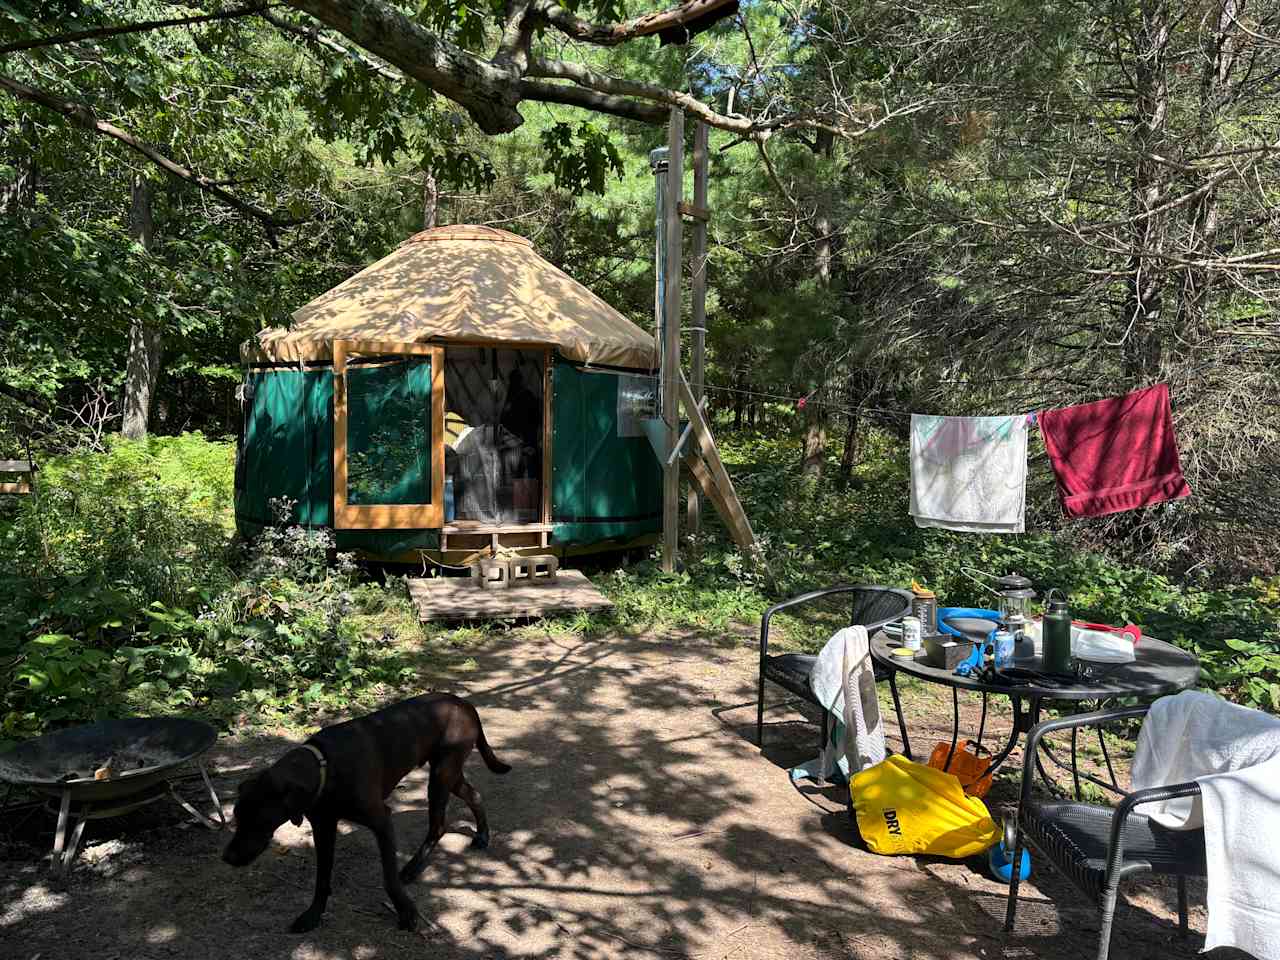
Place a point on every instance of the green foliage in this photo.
(129, 596)
(819, 535)
(580, 161)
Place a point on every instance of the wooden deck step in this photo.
(459, 598)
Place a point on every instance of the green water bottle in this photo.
(1057, 637)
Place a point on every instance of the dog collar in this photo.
(324, 770)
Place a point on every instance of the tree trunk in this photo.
(1220, 53)
(142, 369)
(739, 405)
(814, 457)
(849, 457)
(815, 442)
(1142, 317)
(430, 199)
(16, 195)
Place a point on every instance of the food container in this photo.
(944, 651)
(912, 635)
(924, 607)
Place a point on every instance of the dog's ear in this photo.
(295, 795)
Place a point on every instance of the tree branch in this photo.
(485, 90)
(102, 32)
(313, 35)
(26, 398)
(517, 34)
(602, 83)
(84, 116)
(705, 12)
(575, 96)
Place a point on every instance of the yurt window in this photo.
(493, 434)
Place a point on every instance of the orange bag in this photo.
(969, 768)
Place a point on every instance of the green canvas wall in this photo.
(604, 486)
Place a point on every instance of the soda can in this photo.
(1002, 648)
(912, 637)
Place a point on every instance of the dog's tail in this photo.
(490, 759)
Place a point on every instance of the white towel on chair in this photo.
(969, 473)
(1234, 754)
(843, 680)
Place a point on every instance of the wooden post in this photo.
(671, 339)
(699, 328)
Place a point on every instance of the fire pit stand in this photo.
(138, 759)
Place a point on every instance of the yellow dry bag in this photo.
(905, 807)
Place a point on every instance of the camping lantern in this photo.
(1015, 601)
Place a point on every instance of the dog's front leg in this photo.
(323, 833)
(405, 909)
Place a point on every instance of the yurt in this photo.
(458, 396)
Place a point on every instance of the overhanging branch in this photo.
(692, 16)
(485, 90)
(103, 32)
(83, 115)
(575, 96)
(618, 87)
(313, 35)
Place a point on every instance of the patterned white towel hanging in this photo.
(969, 473)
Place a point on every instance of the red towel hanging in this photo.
(1114, 454)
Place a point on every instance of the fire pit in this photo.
(107, 769)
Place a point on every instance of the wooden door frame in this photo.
(548, 360)
(409, 516)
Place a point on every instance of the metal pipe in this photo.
(658, 163)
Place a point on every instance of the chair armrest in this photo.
(1037, 733)
(1115, 846)
(795, 602)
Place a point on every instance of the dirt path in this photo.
(640, 821)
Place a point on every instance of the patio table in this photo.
(1160, 668)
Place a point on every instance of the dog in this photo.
(347, 771)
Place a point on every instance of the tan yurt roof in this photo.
(467, 284)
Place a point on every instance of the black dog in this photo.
(346, 772)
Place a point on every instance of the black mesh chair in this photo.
(872, 606)
(1096, 847)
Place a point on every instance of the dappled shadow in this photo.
(639, 820)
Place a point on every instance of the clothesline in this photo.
(969, 473)
(804, 401)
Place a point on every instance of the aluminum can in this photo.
(912, 637)
(1002, 648)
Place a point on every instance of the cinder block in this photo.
(520, 568)
(544, 566)
(491, 574)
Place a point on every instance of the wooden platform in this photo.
(458, 598)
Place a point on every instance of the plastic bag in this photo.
(969, 768)
(1100, 646)
(904, 807)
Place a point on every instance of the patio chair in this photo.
(872, 606)
(1096, 846)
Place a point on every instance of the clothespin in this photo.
(1031, 419)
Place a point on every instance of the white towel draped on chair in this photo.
(1233, 753)
(843, 680)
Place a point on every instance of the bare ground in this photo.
(640, 821)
